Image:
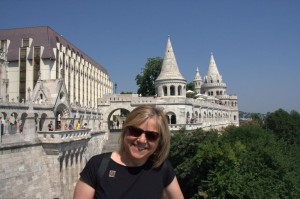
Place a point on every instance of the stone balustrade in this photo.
(52, 137)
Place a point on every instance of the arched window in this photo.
(172, 90)
(173, 119)
(165, 89)
(179, 90)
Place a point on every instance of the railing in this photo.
(64, 136)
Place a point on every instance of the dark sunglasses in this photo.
(137, 132)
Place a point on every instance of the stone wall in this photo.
(23, 172)
(28, 170)
(70, 174)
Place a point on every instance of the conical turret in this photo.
(170, 82)
(213, 84)
(169, 68)
(212, 75)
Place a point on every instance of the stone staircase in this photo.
(112, 144)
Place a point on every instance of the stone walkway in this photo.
(112, 144)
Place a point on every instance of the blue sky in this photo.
(256, 43)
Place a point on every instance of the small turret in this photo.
(197, 81)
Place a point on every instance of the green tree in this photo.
(239, 162)
(256, 118)
(190, 86)
(145, 80)
(286, 126)
(253, 164)
(183, 155)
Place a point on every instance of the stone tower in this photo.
(170, 82)
(213, 84)
(197, 81)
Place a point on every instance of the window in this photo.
(165, 91)
(3, 45)
(36, 62)
(22, 81)
(172, 90)
(179, 90)
(25, 42)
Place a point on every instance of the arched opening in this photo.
(116, 119)
(22, 122)
(172, 90)
(165, 90)
(61, 117)
(173, 119)
(12, 129)
(179, 90)
(42, 122)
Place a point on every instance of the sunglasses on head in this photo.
(137, 132)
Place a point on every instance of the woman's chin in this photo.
(139, 153)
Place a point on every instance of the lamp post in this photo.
(116, 88)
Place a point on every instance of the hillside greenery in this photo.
(259, 159)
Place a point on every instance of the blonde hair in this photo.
(141, 114)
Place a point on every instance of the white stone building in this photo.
(40, 52)
(212, 107)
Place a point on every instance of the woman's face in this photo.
(139, 148)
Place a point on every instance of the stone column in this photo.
(29, 127)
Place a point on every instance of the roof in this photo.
(169, 69)
(42, 36)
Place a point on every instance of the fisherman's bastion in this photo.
(44, 78)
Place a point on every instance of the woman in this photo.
(139, 169)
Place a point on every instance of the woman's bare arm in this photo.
(173, 191)
(83, 191)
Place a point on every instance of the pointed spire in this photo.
(169, 69)
(213, 75)
(212, 68)
(197, 76)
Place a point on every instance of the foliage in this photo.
(286, 126)
(190, 86)
(145, 80)
(184, 148)
(254, 164)
(239, 162)
(257, 118)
